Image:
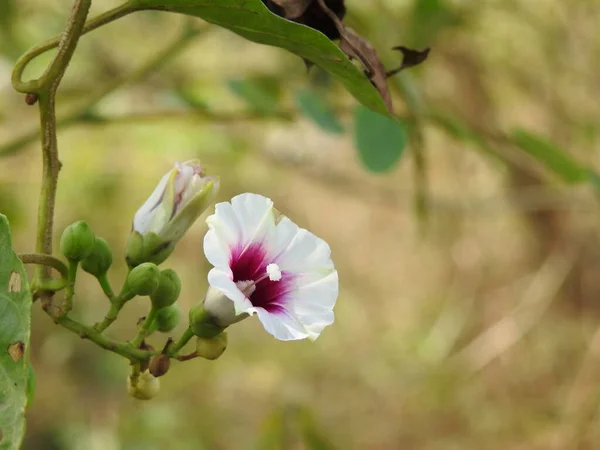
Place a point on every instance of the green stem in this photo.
(45, 260)
(70, 291)
(144, 330)
(121, 348)
(115, 309)
(35, 85)
(177, 346)
(105, 285)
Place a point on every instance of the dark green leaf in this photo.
(315, 108)
(252, 20)
(379, 139)
(15, 320)
(553, 157)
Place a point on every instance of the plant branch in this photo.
(176, 346)
(34, 85)
(45, 260)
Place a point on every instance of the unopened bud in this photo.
(31, 99)
(143, 279)
(169, 288)
(147, 248)
(143, 386)
(159, 365)
(77, 241)
(203, 324)
(211, 348)
(167, 318)
(99, 260)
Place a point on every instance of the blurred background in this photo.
(469, 312)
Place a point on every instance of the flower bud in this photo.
(221, 308)
(143, 279)
(77, 241)
(143, 386)
(99, 260)
(159, 365)
(178, 200)
(203, 324)
(169, 288)
(211, 348)
(167, 318)
(147, 248)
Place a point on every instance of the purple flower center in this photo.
(251, 265)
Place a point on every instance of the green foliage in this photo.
(552, 156)
(315, 108)
(15, 311)
(252, 20)
(380, 140)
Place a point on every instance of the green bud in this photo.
(203, 324)
(99, 260)
(169, 288)
(167, 319)
(143, 279)
(211, 348)
(147, 248)
(143, 386)
(77, 241)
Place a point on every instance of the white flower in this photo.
(177, 201)
(264, 264)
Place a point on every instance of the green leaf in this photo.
(253, 21)
(553, 157)
(318, 111)
(380, 140)
(15, 320)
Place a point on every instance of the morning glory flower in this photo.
(265, 264)
(174, 205)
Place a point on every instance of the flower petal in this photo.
(304, 252)
(222, 281)
(255, 215)
(143, 218)
(281, 324)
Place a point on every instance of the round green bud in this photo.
(147, 247)
(169, 288)
(203, 323)
(143, 279)
(211, 348)
(77, 241)
(144, 386)
(167, 319)
(98, 262)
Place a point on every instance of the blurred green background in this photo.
(468, 314)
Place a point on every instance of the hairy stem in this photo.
(145, 328)
(45, 260)
(70, 291)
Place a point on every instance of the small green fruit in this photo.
(144, 279)
(169, 288)
(99, 260)
(77, 241)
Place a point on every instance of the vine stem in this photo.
(184, 339)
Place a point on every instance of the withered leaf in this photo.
(411, 58)
(357, 47)
(309, 13)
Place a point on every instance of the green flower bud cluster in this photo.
(77, 241)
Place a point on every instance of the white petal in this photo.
(282, 325)
(255, 215)
(216, 250)
(312, 303)
(305, 252)
(143, 218)
(222, 281)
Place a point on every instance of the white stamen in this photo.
(274, 272)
